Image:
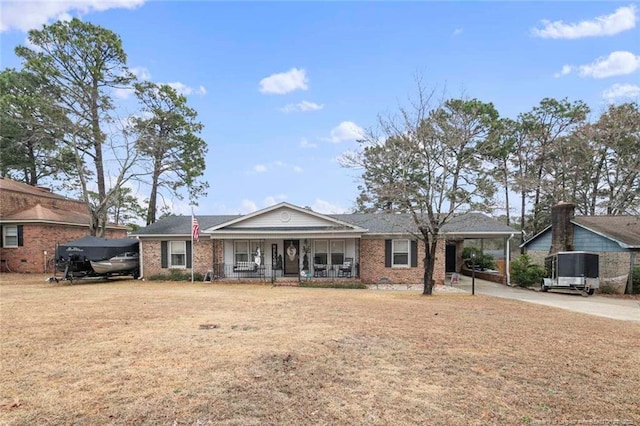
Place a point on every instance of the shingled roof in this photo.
(625, 230)
(181, 225)
(375, 223)
(14, 186)
(38, 213)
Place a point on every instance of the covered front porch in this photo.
(287, 258)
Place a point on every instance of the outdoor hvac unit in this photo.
(572, 270)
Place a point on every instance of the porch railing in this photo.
(249, 270)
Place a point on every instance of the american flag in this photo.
(195, 228)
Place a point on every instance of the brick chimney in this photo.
(561, 228)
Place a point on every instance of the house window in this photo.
(241, 251)
(337, 252)
(177, 254)
(10, 236)
(400, 252)
(246, 251)
(321, 252)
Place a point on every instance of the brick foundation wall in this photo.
(373, 271)
(38, 238)
(151, 257)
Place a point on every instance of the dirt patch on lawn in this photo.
(131, 352)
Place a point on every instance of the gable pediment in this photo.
(285, 216)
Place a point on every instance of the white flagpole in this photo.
(192, 246)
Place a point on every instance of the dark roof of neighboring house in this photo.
(38, 213)
(623, 229)
(12, 185)
(375, 223)
(44, 214)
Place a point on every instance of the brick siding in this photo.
(150, 249)
(38, 238)
(41, 237)
(373, 270)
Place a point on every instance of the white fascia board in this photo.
(283, 235)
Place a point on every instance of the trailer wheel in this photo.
(591, 291)
(543, 288)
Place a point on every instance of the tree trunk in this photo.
(429, 264)
(505, 175)
(153, 197)
(97, 136)
(33, 174)
(522, 215)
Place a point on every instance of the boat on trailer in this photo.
(125, 262)
(98, 257)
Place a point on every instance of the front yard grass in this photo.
(131, 352)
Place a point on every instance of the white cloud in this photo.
(297, 169)
(285, 82)
(248, 206)
(185, 90)
(272, 200)
(259, 168)
(28, 15)
(303, 106)
(325, 207)
(624, 18)
(346, 131)
(566, 69)
(617, 91)
(141, 73)
(617, 63)
(457, 31)
(304, 143)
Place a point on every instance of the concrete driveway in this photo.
(621, 309)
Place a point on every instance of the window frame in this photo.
(317, 252)
(250, 252)
(170, 254)
(244, 252)
(394, 253)
(5, 243)
(332, 252)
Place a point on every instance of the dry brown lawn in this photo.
(127, 352)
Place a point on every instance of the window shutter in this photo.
(414, 253)
(387, 253)
(1, 237)
(20, 237)
(164, 261)
(188, 254)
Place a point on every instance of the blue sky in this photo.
(284, 88)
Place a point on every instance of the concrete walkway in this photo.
(620, 309)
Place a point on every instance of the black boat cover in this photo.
(95, 248)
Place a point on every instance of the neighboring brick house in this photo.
(33, 220)
(287, 243)
(615, 238)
